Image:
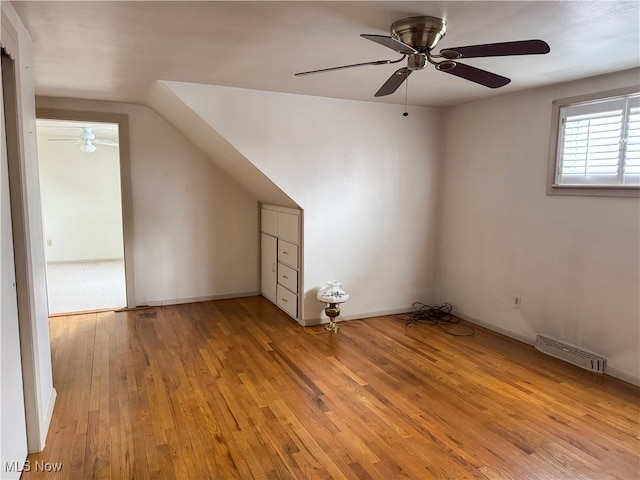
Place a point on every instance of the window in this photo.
(596, 145)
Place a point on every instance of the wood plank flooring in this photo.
(235, 389)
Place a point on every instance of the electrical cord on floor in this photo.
(438, 316)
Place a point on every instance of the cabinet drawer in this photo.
(288, 253)
(288, 301)
(288, 277)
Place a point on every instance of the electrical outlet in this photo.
(49, 242)
(517, 301)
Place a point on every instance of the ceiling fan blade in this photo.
(393, 82)
(342, 67)
(522, 47)
(109, 143)
(70, 140)
(391, 43)
(477, 75)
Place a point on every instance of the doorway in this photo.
(80, 185)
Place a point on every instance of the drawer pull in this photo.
(284, 300)
(284, 276)
(284, 252)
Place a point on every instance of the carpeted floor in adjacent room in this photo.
(80, 286)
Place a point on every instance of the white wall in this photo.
(39, 393)
(195, 229)
(175, 112)
(366, 177)
(574, 260)
(80, 201)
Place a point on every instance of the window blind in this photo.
(600, 143)
(632, 154)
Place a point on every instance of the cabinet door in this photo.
(288, 228)
(269, 222)
(268, 269)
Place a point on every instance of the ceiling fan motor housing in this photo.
(416, 61)
(422, 33)
(87, 134)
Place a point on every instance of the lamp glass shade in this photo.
(88, 147)
(332, 292)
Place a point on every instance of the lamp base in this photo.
(333, 311)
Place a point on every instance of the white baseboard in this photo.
(611, 371)
(44, 427)
(620, 375)
(312, 322)
(309, 322)
(494, 328)
(85, 260)
(180, 301)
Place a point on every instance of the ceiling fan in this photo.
(416, 37)
(87, 141)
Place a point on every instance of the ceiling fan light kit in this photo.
(88, 147)
(86, 138)
(415, 38)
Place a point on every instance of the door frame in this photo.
(13, 385)
(125, 180)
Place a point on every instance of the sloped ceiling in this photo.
(116, 50)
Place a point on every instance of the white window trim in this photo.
(605, 190)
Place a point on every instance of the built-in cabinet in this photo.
(269, 266)
(280, 257)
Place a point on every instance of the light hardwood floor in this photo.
(235, 389)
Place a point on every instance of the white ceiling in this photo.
(73, 129)
(115, 50)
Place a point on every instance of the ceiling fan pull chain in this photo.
(406, 93)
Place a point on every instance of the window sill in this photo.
(595, 190)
